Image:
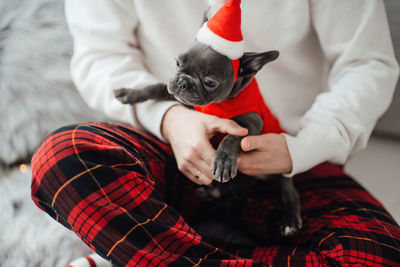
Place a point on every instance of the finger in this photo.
(205, 180)
(197, 170)
(227, 127)
(206, 159)
(203, 167)
(253, 142)
(206, 153)
(197, 176)
(192, 176)
(251, 162)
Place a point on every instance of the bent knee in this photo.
(68, 140)
(56, 154)
(75, 150)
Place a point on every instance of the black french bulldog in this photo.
(205, 76)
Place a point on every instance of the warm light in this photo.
(23, 168)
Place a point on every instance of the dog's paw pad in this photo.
(289, 231)
(129, 96)
(122, 94)
(224, 167)
(291, 227)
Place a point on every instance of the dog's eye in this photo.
(177, 62)
(210, 83)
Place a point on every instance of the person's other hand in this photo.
(264, 154)
(189, 133)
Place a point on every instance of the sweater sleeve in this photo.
(355, 39)
(107, 56)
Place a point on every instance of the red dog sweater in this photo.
(248, 100)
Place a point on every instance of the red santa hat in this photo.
(223, 31)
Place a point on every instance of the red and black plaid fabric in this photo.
(120, 191)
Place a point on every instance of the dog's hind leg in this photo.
(291, 221)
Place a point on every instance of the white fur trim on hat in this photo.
(232, 50)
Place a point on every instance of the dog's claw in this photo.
(233, 170)
(218, 172)
(299, 224)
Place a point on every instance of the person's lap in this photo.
(120, 191)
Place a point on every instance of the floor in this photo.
(377, 168)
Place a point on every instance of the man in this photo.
(119, 190)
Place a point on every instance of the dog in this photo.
(212, 80)
(204, 76)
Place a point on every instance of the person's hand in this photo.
(264, 154)
(189, 133)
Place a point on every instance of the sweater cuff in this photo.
(149, 115)
(311, 147)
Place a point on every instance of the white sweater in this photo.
(335, 75)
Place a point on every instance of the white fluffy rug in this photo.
(28, 236)
(36, 91)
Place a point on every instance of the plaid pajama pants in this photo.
(120, 191)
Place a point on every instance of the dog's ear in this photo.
(251, 63)
(205, 16)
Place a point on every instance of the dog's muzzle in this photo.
(184, 84)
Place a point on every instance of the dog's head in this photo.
(204, 76)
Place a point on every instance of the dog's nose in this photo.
(183, 83)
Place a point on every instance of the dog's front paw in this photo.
(129, 96)
(224, 166)
(291, 225)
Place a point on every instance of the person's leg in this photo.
(119, 190)
(343, 224)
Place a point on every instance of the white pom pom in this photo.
(215, 5)
(218, 3)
